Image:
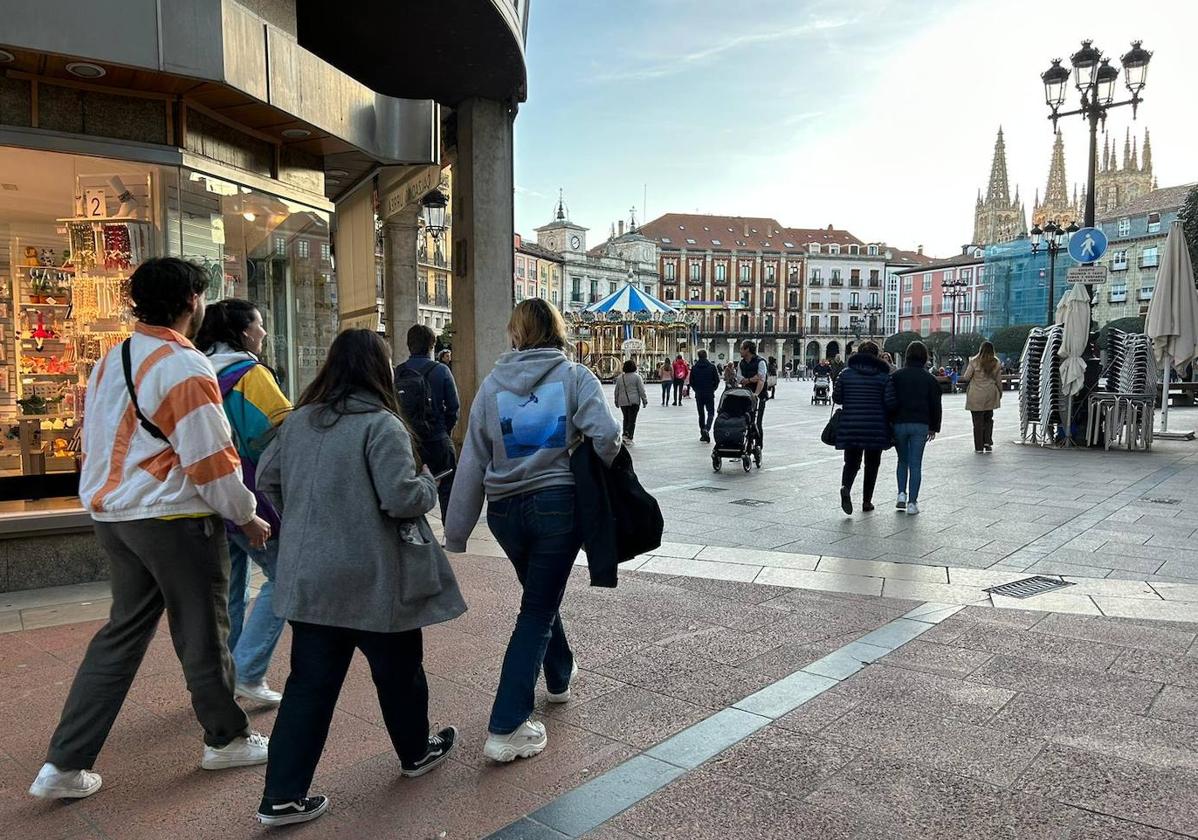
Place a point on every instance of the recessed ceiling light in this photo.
(332, 182)
(6, 57)
(337, 173)
(86, 70)
(296, 133)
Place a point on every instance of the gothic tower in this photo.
(1117, 184)
(998, 218)
(1056, 205)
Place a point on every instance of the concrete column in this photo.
(482, 249)
(401, 297)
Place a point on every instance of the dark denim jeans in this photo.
(540, 534)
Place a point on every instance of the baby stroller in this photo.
(822, 391)
(735, 430)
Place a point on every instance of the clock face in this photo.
(575, 242)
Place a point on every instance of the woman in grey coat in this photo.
(358, 569)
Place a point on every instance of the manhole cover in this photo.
(709, 489)
(1028, 587)
(750, 502)
(1163, 501)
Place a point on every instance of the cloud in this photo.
(530, 193)
(805, 116)
(671, 65)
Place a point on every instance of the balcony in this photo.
(1118, 297)
(854, 282)
(576, 297)
(744, 281)
(854, 307)
(833, 307)
(875, 283)
(815, 282)
(1150, 261)
(815, 306)
(793, 280)
(836, 282)
(720, 281)
(1146, 294)
(770, 281)
(793, 304)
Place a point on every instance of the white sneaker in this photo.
(245, 751)
(564, 697)
(912, 508)
(260, 693)
(528, 740)
(52, 783)
(901, 504)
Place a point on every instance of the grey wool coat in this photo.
(355, 548)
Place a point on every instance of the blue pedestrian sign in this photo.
(1087, 245)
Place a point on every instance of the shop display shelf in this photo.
(65, 269)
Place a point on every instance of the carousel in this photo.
(630, 324)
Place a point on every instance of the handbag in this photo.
(828, 436)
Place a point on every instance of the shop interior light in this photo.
(249, 216)
(296, 133)
(6, 57)
(336, 173)
(86, 70)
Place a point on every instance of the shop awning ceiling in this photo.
(630, 299)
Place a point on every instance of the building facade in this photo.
(998, 218)
(1018, 281)
(844, 299)
(1118, 184)
(539, 273)
(434, 268)
(1136, 233)
(899, 260)
(929, 303)
(1057, 206)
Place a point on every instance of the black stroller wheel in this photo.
(716, 463)
(747, 463)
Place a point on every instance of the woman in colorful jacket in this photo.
(232, 336)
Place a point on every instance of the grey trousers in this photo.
(178, 566)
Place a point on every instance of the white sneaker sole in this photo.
(229, 762)
(49, 792)
(270, 702)
(564, 697)
(292, 819)
(508, 753)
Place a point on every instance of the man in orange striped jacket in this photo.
(160, 472)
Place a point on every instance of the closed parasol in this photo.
(1172, 321)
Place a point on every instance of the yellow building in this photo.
(434, 260)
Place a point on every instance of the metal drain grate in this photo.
(1028, 587)
(708, 489)
(1163, 501)
(750, 502)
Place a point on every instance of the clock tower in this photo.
(562, 235)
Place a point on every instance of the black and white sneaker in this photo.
(288, 811)
(439, 748)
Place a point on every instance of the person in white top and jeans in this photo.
(630, 397)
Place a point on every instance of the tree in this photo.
(445, 339)
(1189, 224)
(1009, 341)
(968, 344)
(937, 344)
(896, 345)
(1134, 324)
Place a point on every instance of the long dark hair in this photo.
(226, 322)
(359, 362)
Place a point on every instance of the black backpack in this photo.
(416, 401)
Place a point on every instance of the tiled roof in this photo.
(899, 256)
(728, 233)
(534, 250)
(935, 265)
(1166, 198)
(828, 235)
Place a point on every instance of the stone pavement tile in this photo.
(827, 581)
(706, 806)
(1107, 557)
(684, 676)
(789, 657)
(706, 739)
(978, 559)
(875, 568)
(1180, 569)
(782, 761)
(1113, 586)
(633, 716)
(683, 550)
(746, 593)
(944, 660)
(1051, 566)
(722, 645)
(1176, 703)
(913, 735)
(1066, 682)
(1030, 644)
(1158, 667)
(25, 817)
(983, 578)
(607, 832)
(1143, 608)
(10, 621)
(1176, 591)
(1102, 730)
(700, 568)
(942, 592)
(1150, 552)
(574, 756)
(757, 557)
(602, 798)
(1059, 601)
(1116, 787)
(1090, 628)
(1090, 826)
(36, 617)
(848, 660)
(929, 804)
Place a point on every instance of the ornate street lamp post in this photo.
(955, 289)
(873, 313)
(1055, 239)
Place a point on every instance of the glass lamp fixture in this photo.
(1107, 76)
(435, 204)
(1085, 65)
(1135, 67)
(1055, 79)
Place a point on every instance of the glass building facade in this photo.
(1019, 284)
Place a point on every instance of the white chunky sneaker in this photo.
(528, 740)
(52, 783)
(912, 508)
(245, 751)
(260, 693)
(901, 504)
(564, 697)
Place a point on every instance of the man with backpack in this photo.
(428, 396)
(705, 380)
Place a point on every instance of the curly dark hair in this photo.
(161, 289)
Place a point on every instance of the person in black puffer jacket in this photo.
(866, 392)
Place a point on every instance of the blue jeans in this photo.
(910, 440)
(253, 645)
(540, 534)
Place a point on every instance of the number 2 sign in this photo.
(94, 204)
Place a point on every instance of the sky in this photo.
(876, 116)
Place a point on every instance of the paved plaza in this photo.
(775, 670)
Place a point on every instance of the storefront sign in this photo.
(410, 190)
(362, 321)
(1087, 274)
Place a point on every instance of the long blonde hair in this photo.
(986, 360)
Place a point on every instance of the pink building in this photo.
(929, 295)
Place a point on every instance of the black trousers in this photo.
(705, 403)
(440, 456)
(852, 463)
(760, 425)
(983, 429)
(320, 658)
(678, 383)
(630, 412)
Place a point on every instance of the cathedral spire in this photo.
(999, 189)
(1147, 167)
(560, 214)
(1106, 152)
(1135, 155)
(1127, 150)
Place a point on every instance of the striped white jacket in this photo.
(129, 474)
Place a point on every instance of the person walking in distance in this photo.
(160, 474)
(753, 373)
(359, 569)
(681, 370)
(916, 419)
(529, 409)
(231, 337)
(866, 392)
(705, 381)
(771, 382)
(428, 398)
(630, 397)
(666, 374)
(984, 396)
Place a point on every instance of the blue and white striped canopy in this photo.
(630, 299)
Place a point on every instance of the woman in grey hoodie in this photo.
(529, 410)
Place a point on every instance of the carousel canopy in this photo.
(630, 299)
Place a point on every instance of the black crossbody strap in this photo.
(127, 363)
